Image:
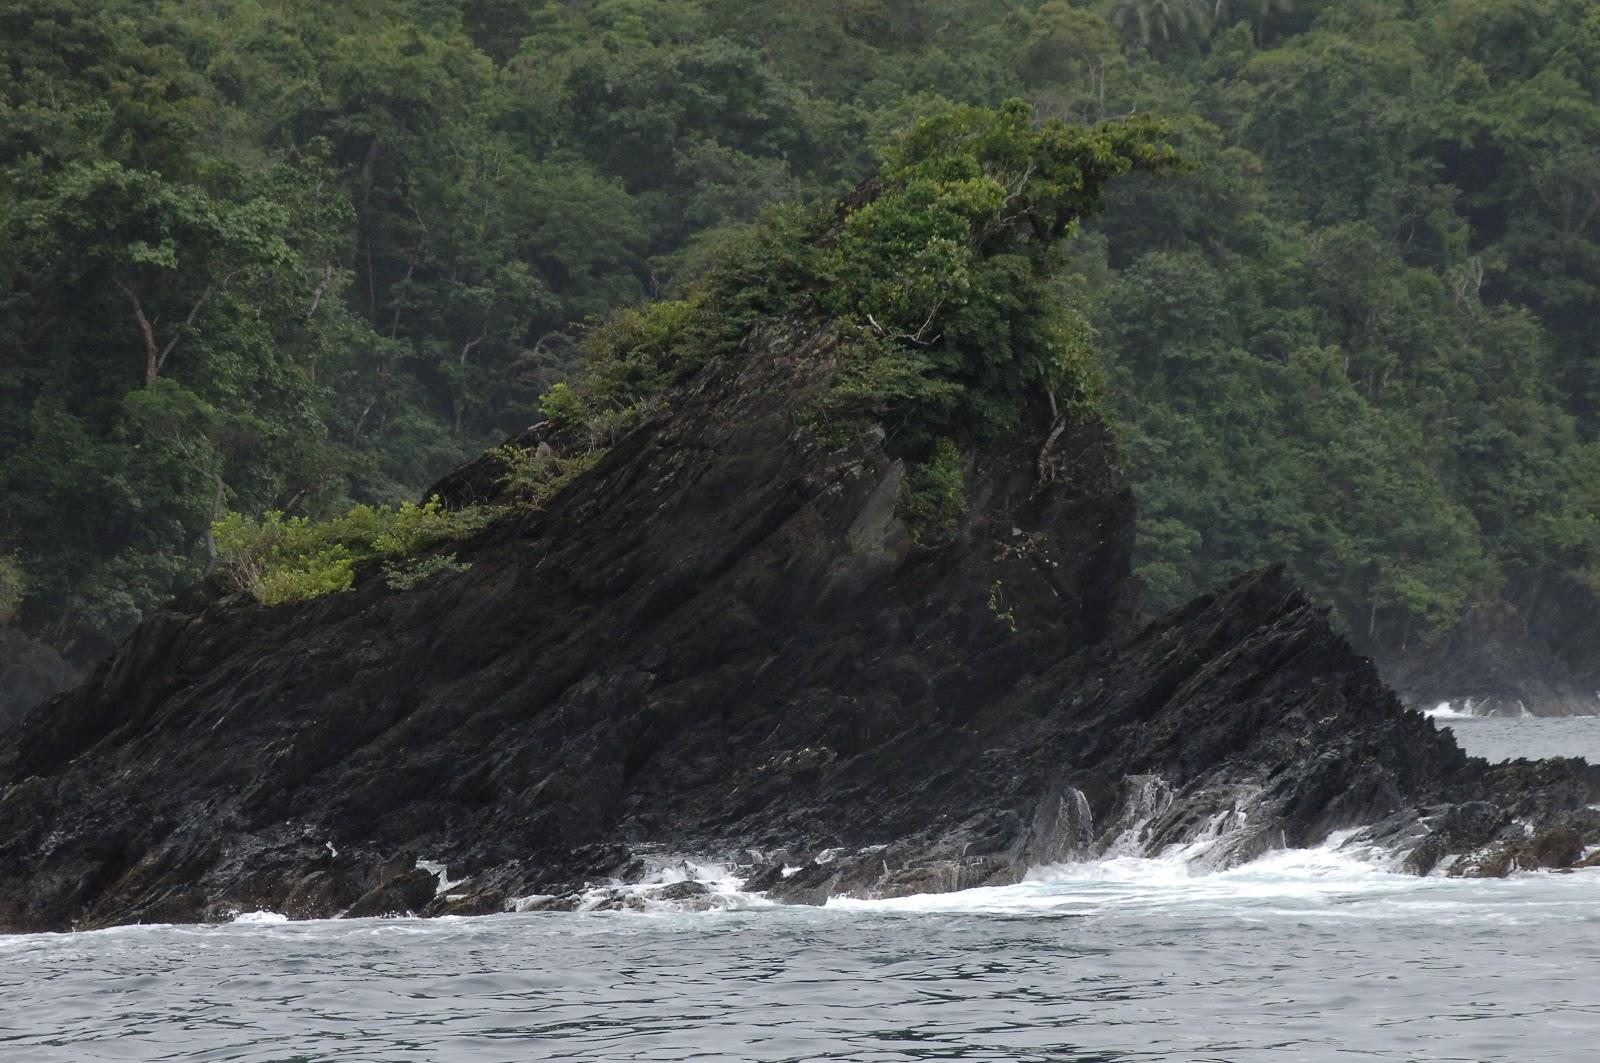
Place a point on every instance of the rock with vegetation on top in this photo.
(836, 567)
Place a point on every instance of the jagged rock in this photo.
(721, 639)
(468, 902)
(682, 891)
(614, 900)
(569, 903)
(30, 672)
(1555, 849)
(408, 892)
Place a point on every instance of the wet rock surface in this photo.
(721, 640)
(404, 894)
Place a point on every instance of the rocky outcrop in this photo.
(721, 639)
(30, 672)
(1532, 651)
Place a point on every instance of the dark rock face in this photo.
(1535, 651)
(30, 672)
(722, 641)
(405, 893)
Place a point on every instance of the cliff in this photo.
(722, 640)
(1531, 651)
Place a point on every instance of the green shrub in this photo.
(631, 358)
(532, 479)
(411, 528)
(933, 496)
(951, 265)
(325, 572)
(1004, 613)
(565, 407)
(940, 276)
(404, 575)
(282, 559)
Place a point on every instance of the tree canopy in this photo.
(273, 256)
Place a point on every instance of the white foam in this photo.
(1322, 878)
(442, 873)
(527, 903)
(261, 918)
(722, 883)
(1445, 710)
(1145, 799)
(651, 894)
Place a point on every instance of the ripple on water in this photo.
(1502, 738)
(1298, 956)
(1442, 969)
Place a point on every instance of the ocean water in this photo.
(1503, 738)
(1301, 955)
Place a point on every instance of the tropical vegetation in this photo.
(271, 256)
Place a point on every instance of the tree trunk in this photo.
(152, 353)
(156, 356)
(219, 495)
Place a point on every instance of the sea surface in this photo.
(1302, 955)
(1505, 738)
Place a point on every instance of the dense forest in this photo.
(281, 256)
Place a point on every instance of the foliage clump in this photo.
(939, 273)
(404, 575)
(532, 477)
(282, 559)
(950, 267)
(1006, 614)
(933, 496)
